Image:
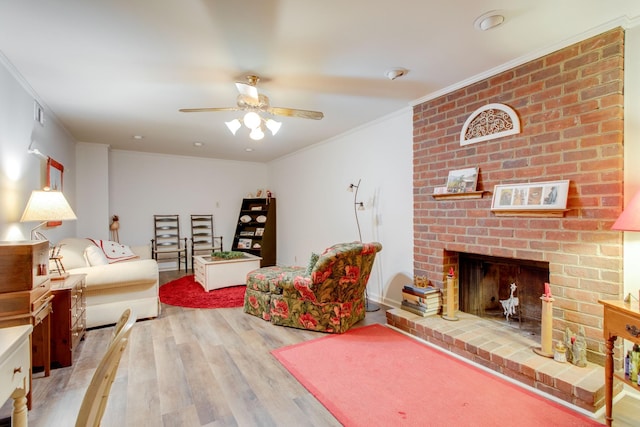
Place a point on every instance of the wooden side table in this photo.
(621, 319)
(68, 320)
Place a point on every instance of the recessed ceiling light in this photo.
(198, 144)
(248, 149)
(138, 137)
(488, 21)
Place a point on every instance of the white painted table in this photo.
(216, 273)
(15, 369)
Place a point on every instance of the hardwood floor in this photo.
(192, 367)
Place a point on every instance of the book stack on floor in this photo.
(421, 301)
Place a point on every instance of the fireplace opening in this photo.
(485, 289)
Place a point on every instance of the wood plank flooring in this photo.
(193, 367)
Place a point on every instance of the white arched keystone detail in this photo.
(489, 122)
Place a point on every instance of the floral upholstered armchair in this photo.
(327, 296)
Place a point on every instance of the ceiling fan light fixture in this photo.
(256, 134)
(252, 120)
(273, 126)
(233, 125)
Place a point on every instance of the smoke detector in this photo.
(394, 73)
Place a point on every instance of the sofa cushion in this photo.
(313, 259)
(114, 251)
(95, 256)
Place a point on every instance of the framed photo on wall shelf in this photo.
(532, 197)
(462, 180)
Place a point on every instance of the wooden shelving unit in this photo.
(256, 230)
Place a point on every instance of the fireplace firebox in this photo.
(485, 281)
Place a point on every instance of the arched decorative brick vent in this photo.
(489, 122)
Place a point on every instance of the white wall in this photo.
(315, 210)
(93, 167)
(142, 185)
(21, 172)
(632, 154)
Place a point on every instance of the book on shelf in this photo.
(420, 311)
(420, 291)
(431, 301)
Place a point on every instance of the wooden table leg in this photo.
(608, 378)
(19, 413)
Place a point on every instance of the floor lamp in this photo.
(46, 206)
(359, 206)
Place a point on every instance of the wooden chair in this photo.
(203, 240)
(167, 243)
(97, 394)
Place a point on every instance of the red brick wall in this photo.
(570, 105)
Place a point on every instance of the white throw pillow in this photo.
(95, 256)
(114, 251)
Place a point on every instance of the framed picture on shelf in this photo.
(259, 231)
(246, 233)
(244, 243)
(542, 196)
(462, 180)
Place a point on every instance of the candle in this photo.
(547, 290)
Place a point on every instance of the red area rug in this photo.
(376, 376)
(185, 292)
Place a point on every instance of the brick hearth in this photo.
(499, 347)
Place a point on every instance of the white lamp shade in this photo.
(47, 206)
(252, 120)
(273, 126)
(233, 125)
(256, 134)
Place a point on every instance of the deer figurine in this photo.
(509, 305)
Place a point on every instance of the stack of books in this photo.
(421, 301)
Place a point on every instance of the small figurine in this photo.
(509, 305)
(115, 225)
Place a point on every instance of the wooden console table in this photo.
(621, 319)
(15, 369)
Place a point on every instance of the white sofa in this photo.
(114, 287)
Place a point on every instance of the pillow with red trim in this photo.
(114, 251)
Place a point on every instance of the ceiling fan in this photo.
(250, 100)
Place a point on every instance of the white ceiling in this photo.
(111, 69)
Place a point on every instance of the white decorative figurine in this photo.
(509, 305)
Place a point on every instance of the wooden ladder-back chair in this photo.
(97, 394)
(167, 243)
(203, 239)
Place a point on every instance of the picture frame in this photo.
(55, 170)
(462, 181)
(259, 232)
(547, 196)
(244, 243)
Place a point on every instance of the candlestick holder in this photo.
(451, 304)
(546, 339)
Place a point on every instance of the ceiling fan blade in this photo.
(292, 112)
(205, 110)
(248, 91)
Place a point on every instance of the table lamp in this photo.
(46, 206)
(629, 219)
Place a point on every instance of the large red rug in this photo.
(376, 376)
(185, 292)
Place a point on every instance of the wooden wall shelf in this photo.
(554, 213)
(454, 196)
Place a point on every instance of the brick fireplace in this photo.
(570, 105)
